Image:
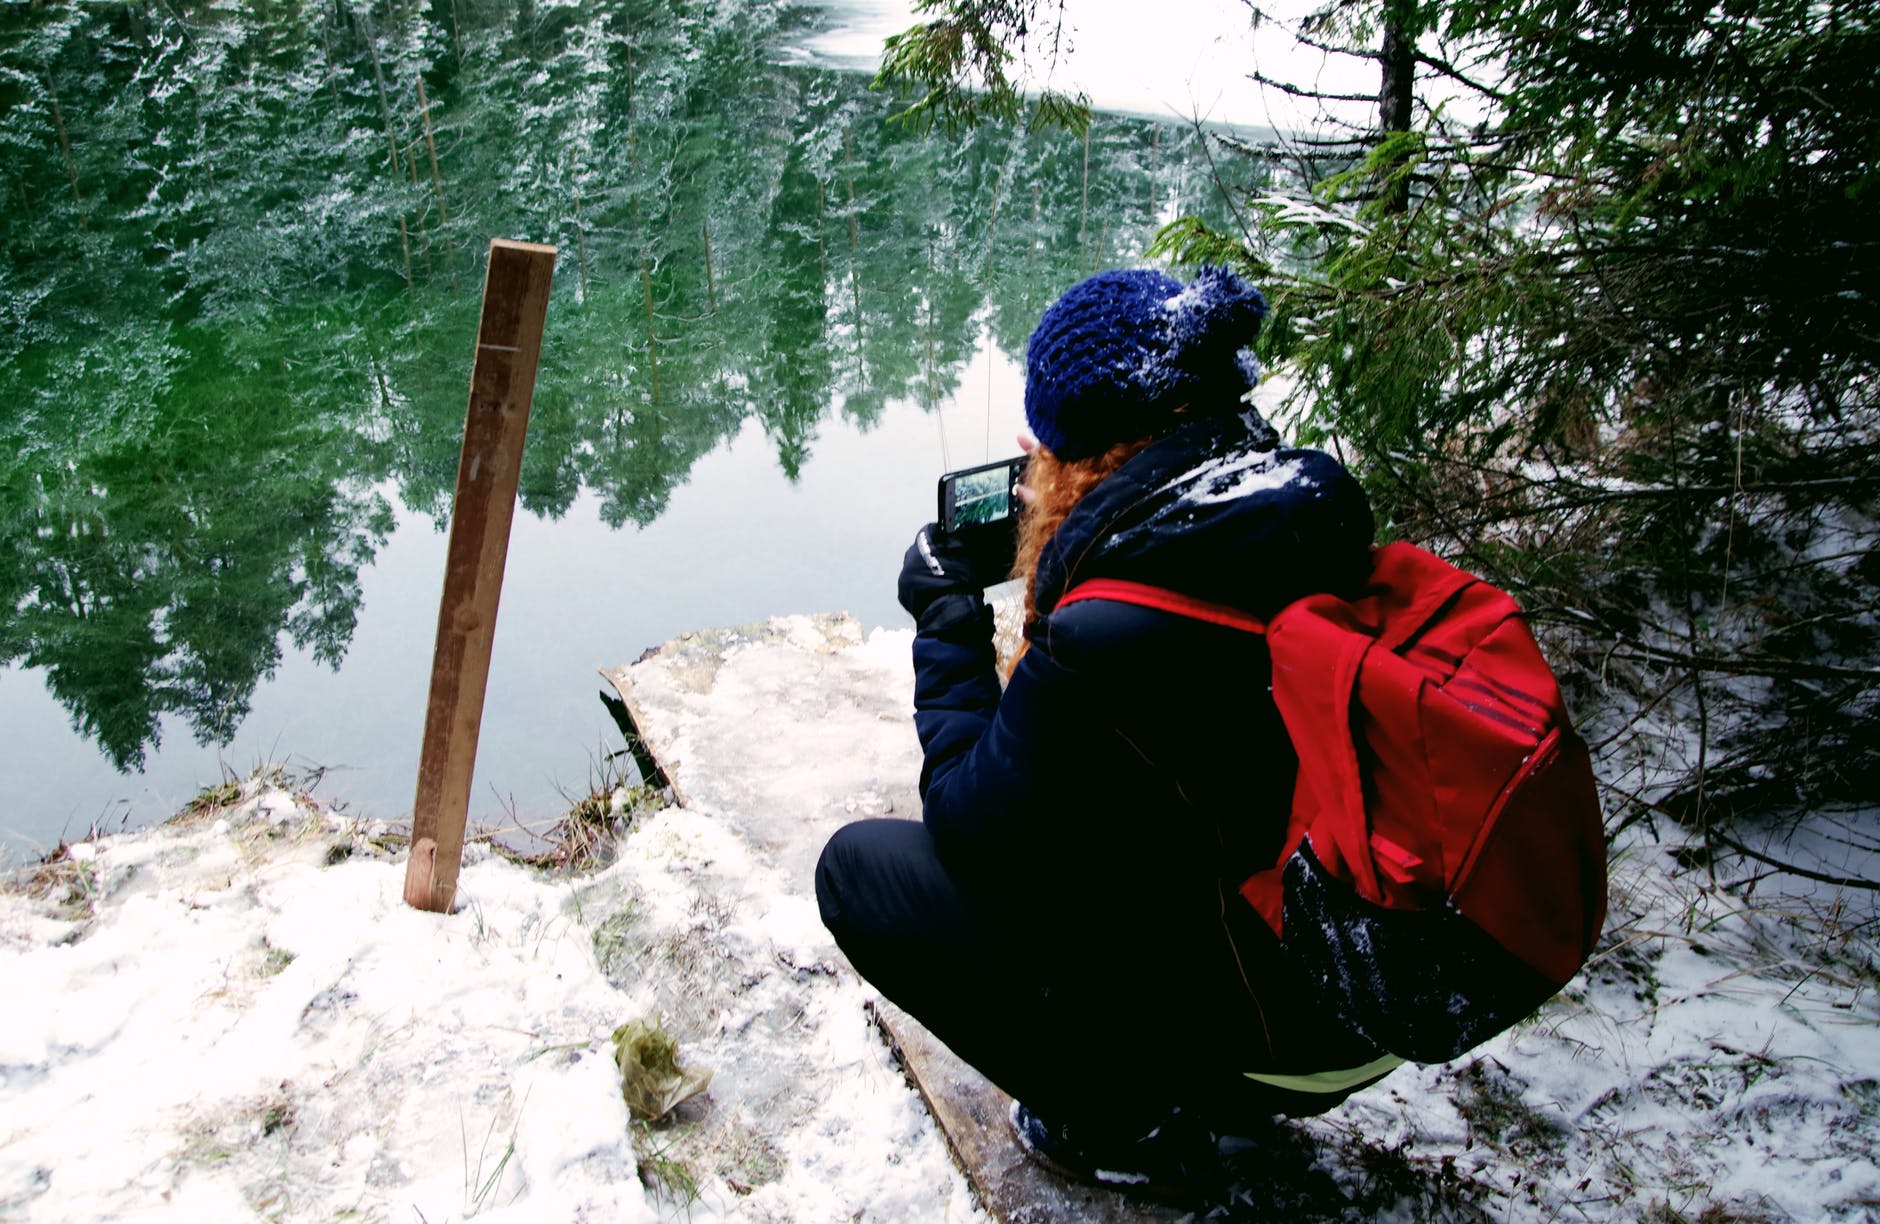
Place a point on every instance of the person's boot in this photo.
(1176, 1160)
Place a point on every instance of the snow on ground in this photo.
(235, 1016)
(1716, 1061)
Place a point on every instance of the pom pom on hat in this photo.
(1114, 357)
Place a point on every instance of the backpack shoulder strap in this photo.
(1121, 590)
(1313, 686)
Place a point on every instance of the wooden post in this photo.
(502, 384)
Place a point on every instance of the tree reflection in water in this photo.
(237, 282)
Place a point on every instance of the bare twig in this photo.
(1747, 665)
(1793, 868)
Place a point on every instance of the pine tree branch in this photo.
(1329, 49)
(1449, 70)
(1260, 78)
(1350, 143)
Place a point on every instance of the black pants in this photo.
(1107, 1010)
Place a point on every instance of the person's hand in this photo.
(936, 565)
(1027, 444)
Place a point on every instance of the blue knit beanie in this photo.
(1114, 357)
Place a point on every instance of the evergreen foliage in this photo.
(1612, 339)
(956, 68)
(237, 293)
(1620, 352)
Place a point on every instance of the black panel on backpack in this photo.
(1425, 985)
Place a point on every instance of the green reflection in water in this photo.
(239, 289)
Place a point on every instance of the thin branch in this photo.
(1260, 78)
(1793, 869)
(1773, 667)
(1220, 184)
(1451, 71)
(1331, 50)
(1603, 497)
(1289, 144)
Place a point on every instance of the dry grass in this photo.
(214, 802)
(588, 835)
(68, 885)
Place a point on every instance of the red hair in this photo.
(1057, 486)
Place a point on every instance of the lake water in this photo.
(240, 293)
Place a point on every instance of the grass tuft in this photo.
(588, 836)
(211, 801)
(1489, 1097)
(273, 960)
(68, 884)
(664, 1171)
(614, 949)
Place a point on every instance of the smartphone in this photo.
(979, 505)
(982, 496)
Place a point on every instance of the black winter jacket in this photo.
(1136, 756)
(1135, 771)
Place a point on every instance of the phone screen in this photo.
(979, 496)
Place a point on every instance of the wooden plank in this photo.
(971, 1113)
(502, 387)
(641, 719)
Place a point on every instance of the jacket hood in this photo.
(1219, 511)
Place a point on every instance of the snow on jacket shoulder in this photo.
(1121, 718)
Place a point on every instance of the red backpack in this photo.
(1437, 771)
